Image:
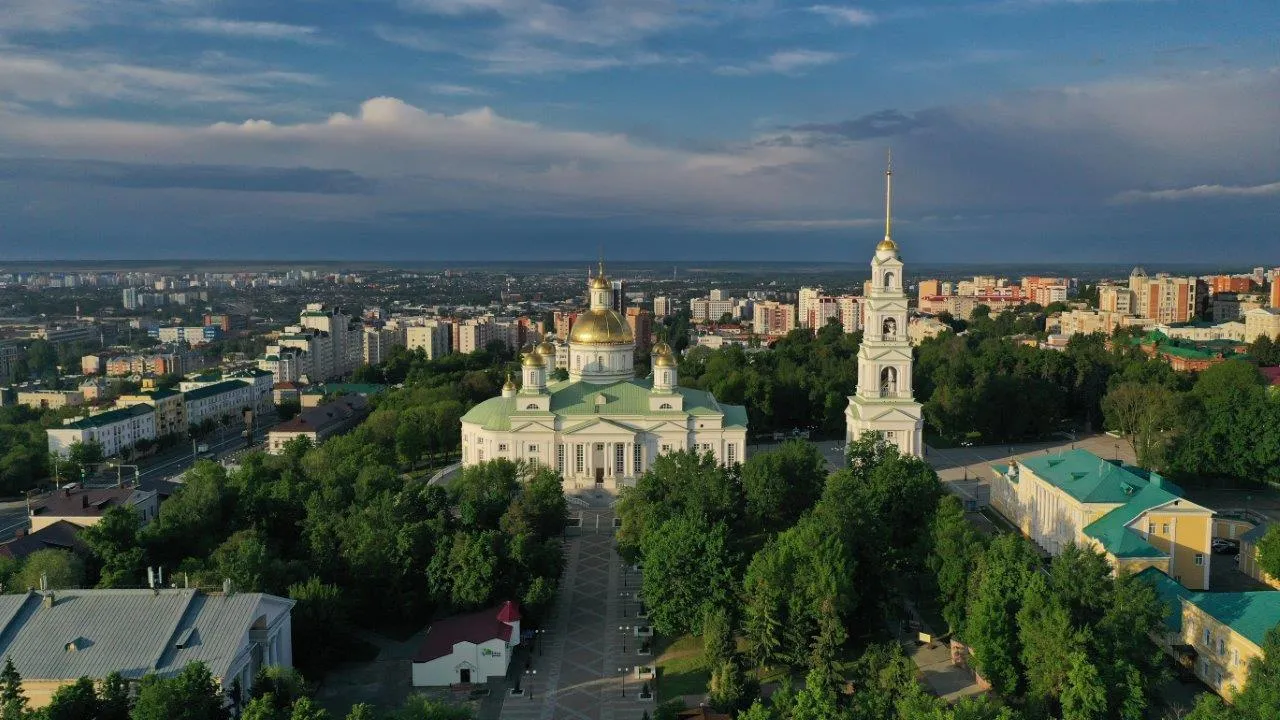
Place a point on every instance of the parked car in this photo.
(1223, 546)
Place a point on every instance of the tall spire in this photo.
(888, 194)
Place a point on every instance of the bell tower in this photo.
(884, 402)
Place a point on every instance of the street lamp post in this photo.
(622, 671)
(529, 686)
(624, 629)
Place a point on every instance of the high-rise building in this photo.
(129, 298)
(1115, 299)
(618, 295)
(641, 323)
(808, 298)
(774, 318)
(1164, 298)
(930, 288)
(663, 306)
(884, 403)
(433, 337)
(850, 307)
(346, 344)
(378, 342)
(1230, 284)
(1275, 288)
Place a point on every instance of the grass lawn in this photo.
(682, 669)
(934, 440)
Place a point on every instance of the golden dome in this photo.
(599, 282)
(511, 384)
(666, 360)
(601, 326)
(661, 348)
(887, 244)
(532, 359)
(547, 349)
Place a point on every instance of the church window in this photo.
(664, 406)
(888, 381)
(502, 447)
(579, 458)
(890, 327)
(531, 406)
(666, 448)
(560, 458)
(619, 459)
(888, 280)
(480, 455)
(533, 449)
(731, 453)
(635, 458)
(599, 447)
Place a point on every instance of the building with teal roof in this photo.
(1136, 517)
(603, 427)
(1215, 634)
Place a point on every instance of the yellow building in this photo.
(171, 412)
(1249, 557)
(1215, 634)
(1136, 517)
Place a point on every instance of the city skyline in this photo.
(457, 130)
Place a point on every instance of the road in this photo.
(166, 467)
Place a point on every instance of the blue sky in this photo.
(1026, 130)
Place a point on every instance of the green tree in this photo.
(1084, 697)
(1145, 415)
(114, 699)
(192, 694)
(114, 543)
(757, 711)
(60, 568)
(263, 707)
(718, 644)
(1269, 551)
(77, 701)
(1211, 707)
(991, 628)
(247, 562)
(956, 550)
(85, 453)
(779, 486)
(470, 569)
(413, 435)
(361, 711)
(1261, 694)
(13, 702)
(1048, 641)
(688, 569)
(420, 707)
(318, 608)
(306, 709)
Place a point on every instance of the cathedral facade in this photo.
(884, 403)
(603, 427)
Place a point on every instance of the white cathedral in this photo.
(884, 403)
(603, 427)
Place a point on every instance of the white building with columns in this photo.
(884, 403)
(603, 427)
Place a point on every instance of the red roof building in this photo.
(469, 648)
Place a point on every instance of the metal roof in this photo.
(215, 389)
(109, 417)
(582, 399)
(90, 633)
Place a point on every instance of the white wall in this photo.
(486, 660)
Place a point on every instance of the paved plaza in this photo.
(575, 675)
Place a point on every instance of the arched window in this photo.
(664, 406)
(888, 280)
(666, 376)
(890, 327)
(531, 406)
(889, 380)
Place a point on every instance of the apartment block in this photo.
(774, 318)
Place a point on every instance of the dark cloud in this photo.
(194, 177)
(879, 124)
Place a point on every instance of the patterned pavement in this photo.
(577, 674)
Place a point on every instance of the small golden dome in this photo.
(511, 384)
(599, 282)
(601, 326)
(547, 349)
(532, 359)
(664, 360)
(887, 244)
(661, 348)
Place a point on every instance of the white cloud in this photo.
(245, 29)
(453, 90)
(1198, 192)
(845, 15)
(784, 62)
(72, 79)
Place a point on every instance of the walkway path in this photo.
(576, 674)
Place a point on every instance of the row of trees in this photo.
(194, 694)
(1222, 427)
(805, 382)
(792, 562)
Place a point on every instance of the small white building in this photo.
(467, 649)
(227, 398)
